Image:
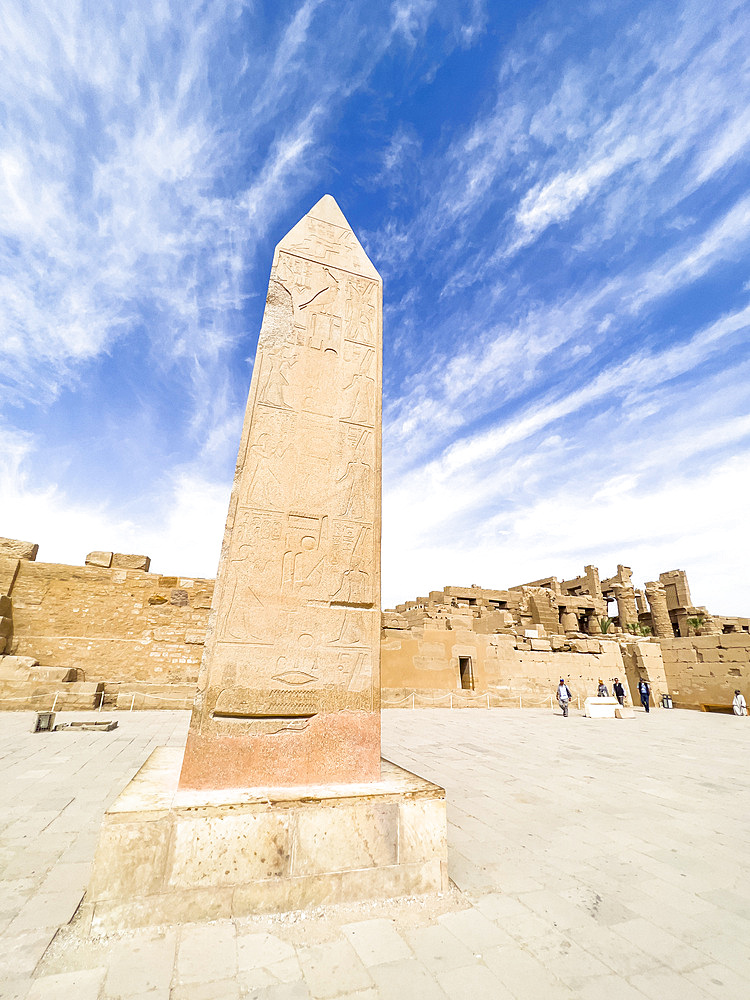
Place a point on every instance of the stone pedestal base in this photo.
(173, 856)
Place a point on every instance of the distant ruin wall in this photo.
(133, 638)
(425, 668)
(706, 670)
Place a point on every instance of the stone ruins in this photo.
(467, 646)
(105, 635)
(583, 606)
(278, 801)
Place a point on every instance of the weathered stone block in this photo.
(421, 832)
(131, 858)
(202, 599)
(6, 606)
(62, 675)
(124, 560)
(99, 558)
(392, 619)
(706, 641)
(167, 581)
(739, 654)
(541, 644)
(683, 655)
(222, 848)
(365, 835)
(17, 549)
(731, 640)
(179, 598)
(17, 666)
(195, 638)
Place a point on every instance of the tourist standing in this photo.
(602, 692)
(739, 705)
(645, 692)
(563, 696)
(618, 691)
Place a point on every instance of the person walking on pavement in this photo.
(602, 692)
(618, 691)
(645, 692)
(563, 696)
(739, 705)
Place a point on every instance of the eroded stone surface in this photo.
(126, 560)
(99, 558)
(289, 685)
(17, 549)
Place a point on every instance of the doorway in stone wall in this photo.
(466, 671)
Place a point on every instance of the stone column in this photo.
(626, 606)
(569, 621)
(660, 621)
(289, 686)
(592, 624)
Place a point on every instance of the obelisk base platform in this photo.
(174, 856)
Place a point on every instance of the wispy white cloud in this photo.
(66, 528)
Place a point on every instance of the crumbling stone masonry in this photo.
(113, 633)
(470, 645)
(105, 633)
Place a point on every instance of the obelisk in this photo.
(279, 801)
(289, 686)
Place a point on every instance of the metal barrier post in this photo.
(55, 701)
(132, 702)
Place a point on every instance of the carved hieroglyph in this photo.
(289, 686)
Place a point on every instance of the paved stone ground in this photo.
(595, 860)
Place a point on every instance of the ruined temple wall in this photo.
(427, 662)
(706, 670)
(101, 622)
(112, 625)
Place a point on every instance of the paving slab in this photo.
(589, 862)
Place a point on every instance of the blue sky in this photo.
(556, 196)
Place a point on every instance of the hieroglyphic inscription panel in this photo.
(293, 644)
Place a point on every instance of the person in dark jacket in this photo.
(645, 692)
(618, 691)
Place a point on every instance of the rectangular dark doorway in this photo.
(467, 673)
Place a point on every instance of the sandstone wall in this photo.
(706, 670)
(133, 630)
(422, 667)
